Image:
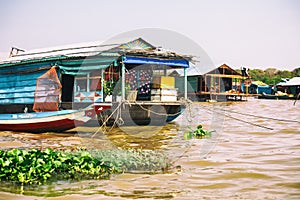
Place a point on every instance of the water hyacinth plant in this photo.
(197, 133)
(38, 166)
(134, 160)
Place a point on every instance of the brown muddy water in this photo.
(253, 153)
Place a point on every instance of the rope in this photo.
(186, 102)
(151, 111)
(258, 116)
(181, 156)
(106, 120)
(251, 123)
(120, 121)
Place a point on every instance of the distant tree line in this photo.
(271, 76)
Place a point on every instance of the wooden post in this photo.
(219, 85)
(123, 79)
(88, 82)
(185, 82)
(246, 91)
(205, 81)
(102, 84)
(200, 84)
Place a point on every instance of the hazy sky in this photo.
(254, 33)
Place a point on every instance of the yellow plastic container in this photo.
(163, 82)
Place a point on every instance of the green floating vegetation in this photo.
(198, 133)
(39, 166)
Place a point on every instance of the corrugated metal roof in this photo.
(74, 50)
(291, 82)
(111, 48)
(77, 50)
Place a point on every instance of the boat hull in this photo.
(127, 113)
(141, 113)
(270, 96)
(56, 121)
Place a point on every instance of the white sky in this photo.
(251, 33)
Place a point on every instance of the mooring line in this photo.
(106, 120)
(187, 103)
(264, 117)
(251, 123)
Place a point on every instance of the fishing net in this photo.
(47, 92)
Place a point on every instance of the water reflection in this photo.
(144, 137)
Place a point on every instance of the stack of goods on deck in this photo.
(163, 89)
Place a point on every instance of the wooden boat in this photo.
(37, 122)
(141, 113)
(84, 75)
(273, 96)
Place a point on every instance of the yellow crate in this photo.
(163, 82)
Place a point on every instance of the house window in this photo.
(88, 82)
(81, 83)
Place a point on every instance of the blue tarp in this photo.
(19, 87)
(169, 62)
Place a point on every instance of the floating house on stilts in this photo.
(128, 82)
(220, 84)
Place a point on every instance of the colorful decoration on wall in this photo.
(139, 80)
(88, 96)
(136, 44)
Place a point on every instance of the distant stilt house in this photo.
(221, 84)
(286, 89)
(289, 86)
(259, 87)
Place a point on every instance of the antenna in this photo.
(15, 51)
